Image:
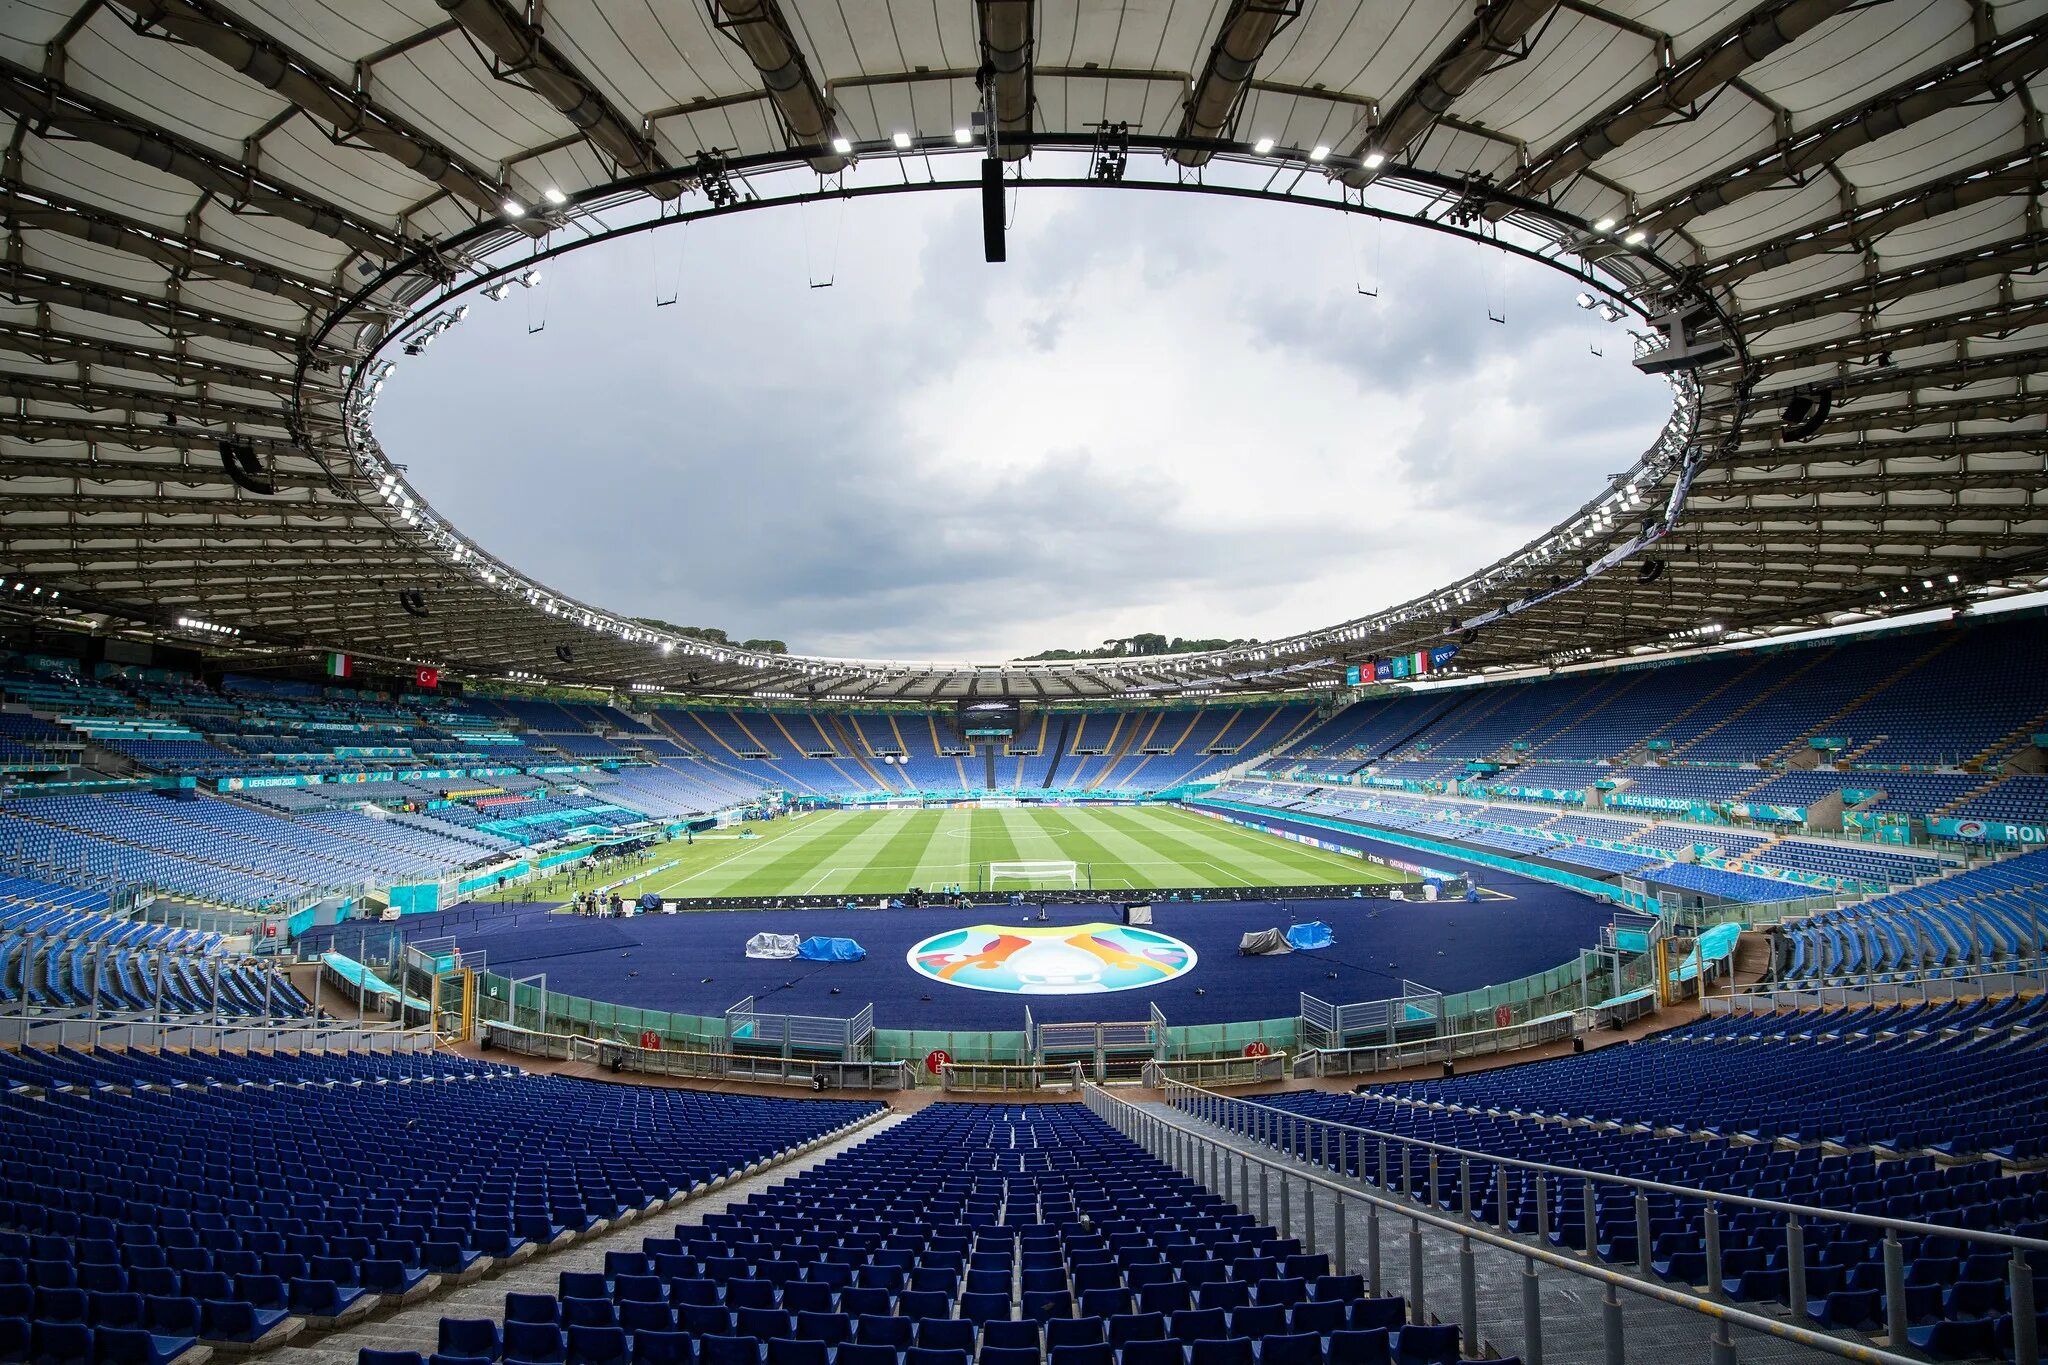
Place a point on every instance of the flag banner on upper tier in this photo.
(340, 666)
(1419, 664)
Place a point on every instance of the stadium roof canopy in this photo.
(226, 218)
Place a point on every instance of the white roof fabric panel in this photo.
(670, 76)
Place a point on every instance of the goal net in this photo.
(1027, 876)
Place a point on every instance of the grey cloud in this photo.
(736, 461)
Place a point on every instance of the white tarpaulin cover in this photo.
(772, 945)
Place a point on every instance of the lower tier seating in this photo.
(197, 1196)
(1004, 1235)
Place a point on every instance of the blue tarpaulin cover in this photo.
(830, 950)
(1314, 934)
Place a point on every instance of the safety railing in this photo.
(245, 1035)
(813, 1074)
(982, 1078)
(1442, 1176)
(1244, 1069)
(1273, 1190)
(1362, 1061)
(1872, 989)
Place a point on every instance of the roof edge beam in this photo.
(1486, 40)
(1212, 104)
(36, 209)
(1763, 31)
(1999, 258)
(44, 106)
(2015, 58)
(55, 347)
(171, 318)
(764, 34)
(2025, 172)
(260, 58)
(525, 53)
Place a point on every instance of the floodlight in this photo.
(1263, 146)
(963, 136)
(902, 141)
(1374, 160)
(1637, 237)
(1586, 300)
(496, 292)
(514, 209)
(554, 196)
(1319, 153)
(529, 277)
(842, 146)
(1604, 225)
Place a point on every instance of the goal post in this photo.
(1034, 876)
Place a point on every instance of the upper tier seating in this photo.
(256, 1186)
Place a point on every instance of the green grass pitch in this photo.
(871, 852)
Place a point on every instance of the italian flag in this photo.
(340, 666)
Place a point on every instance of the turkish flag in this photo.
(428, 677)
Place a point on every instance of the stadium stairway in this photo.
(1548, 731)
(1847, 713)
(1121, 740)
(1758, 698)
(1059, 751)
(2008, 743)
(854, 745)
(1639, 752)
(416, 1327)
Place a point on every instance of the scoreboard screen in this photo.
(987, 718)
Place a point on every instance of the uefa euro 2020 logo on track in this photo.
(1078, 959)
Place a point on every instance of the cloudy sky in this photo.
(1164, 413)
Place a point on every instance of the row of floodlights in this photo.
(209, 627)
(516, 209)
(964, 137)
(1906, 589)
(26, 589)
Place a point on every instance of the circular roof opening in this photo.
(834, 427)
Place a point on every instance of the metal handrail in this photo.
(1184, 1148)
(1545, 1028)
(1177, 1092)
(269, 1035)
(1285, 1128)
(699, 1063)
(2028, 968)
(1037, 1074)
